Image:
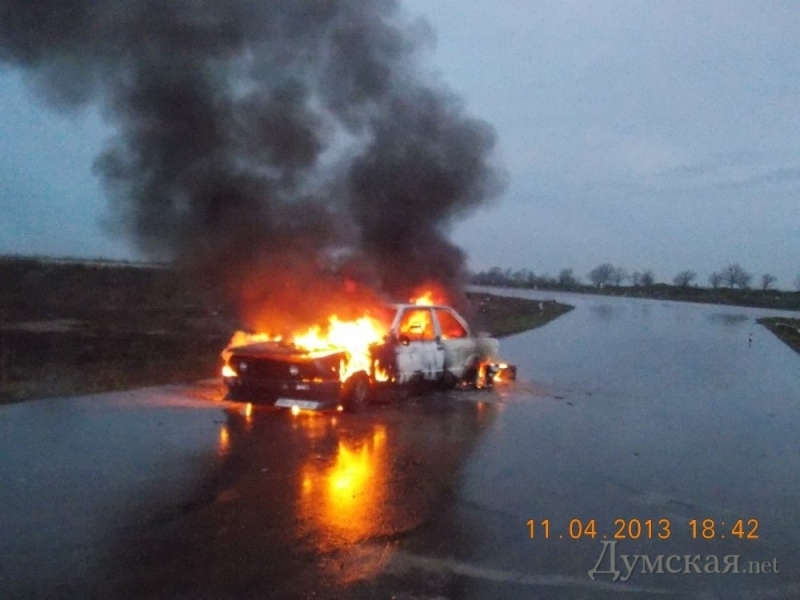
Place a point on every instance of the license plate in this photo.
(304, 404)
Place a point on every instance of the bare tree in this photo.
(548, 281)
(646, 278)
(636, 279)
(684, 278)
(618, 276)
(602, 274)
(797, 282)
(729, 275)
(495, 276)
(520, 277)
(566, 278)
(736, 276)
(767, 280)
(743, 280)
(715, 279)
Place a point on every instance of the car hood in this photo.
(278, 351)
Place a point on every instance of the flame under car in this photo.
(423, 344)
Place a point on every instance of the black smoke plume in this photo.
(278, 141)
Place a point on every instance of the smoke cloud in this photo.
(278, 147)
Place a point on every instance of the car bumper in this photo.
(284, 393)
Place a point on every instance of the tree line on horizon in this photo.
(605, 275)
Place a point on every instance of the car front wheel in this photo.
(356, 393)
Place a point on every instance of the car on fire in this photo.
(425, 345)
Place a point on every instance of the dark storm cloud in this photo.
(224, 112)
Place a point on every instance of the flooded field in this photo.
(644, 410)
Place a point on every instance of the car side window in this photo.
(451, 328)
(417, 325)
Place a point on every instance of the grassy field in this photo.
(502, 315)
(81, 328)
(787, 330)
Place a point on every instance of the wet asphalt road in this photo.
(627, 409)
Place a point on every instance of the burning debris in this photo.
(292, 151)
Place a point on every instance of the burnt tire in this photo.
(448, 381)
(471, 376)
(357, 393)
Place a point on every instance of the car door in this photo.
(458, 344)
(420, 353)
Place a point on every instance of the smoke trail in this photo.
(267, 139)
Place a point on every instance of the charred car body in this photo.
(424, 345)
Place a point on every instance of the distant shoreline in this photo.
(772, 299)
(85, 262)
(784, 328)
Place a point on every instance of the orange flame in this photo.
(380, 373)
(429, 294)
(353, 337)
(425, 300)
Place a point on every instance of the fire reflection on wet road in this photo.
(345, 499)
(302, 503)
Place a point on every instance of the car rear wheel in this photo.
(356, 393)
(471, 375)
(448, 381)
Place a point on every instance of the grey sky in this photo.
(651, 135)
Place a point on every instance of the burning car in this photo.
(345, 364)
